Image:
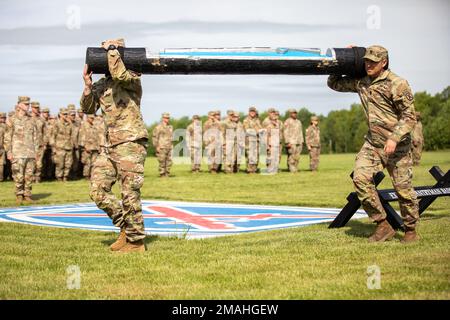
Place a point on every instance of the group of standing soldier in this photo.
(226, 141)
(36, 146)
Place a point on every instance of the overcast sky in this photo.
(43, 45)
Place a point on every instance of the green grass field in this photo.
(311, 262)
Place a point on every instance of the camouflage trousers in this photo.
(2, 164)
(196, 158)
(88, 159)
(23, 175)
(314, 154)
(39, 163)
(48, 166)
(231, 158)
(369, 161)
(213, 153)
(293, 157)
(76, 163)
(164, 157)
(252, 155)
(63, 160)
(273, 158)
(123, 163)
(416, 153)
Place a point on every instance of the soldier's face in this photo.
(373, 68)
(23, 106)
(166, 120)
(45, 115)
(294, 115)
(252, 114)
(2, 120)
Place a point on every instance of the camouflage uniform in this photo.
(252, 127)
(293, 139)
(90, 144)
(47, 162)
(122, 159)
(76, 154)
(234, 138)
(63, 144)
(212, 138)
(417, 141)
(194, 142)
(273, 138)
(2, 148)
(389, 107)
(40, 124)
(21, 143)
(313, 143)
(162, 141)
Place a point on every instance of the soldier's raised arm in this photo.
(89, 101)
(404, 102)
(342, 84)
(117, 69)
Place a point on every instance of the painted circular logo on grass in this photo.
(177, 218)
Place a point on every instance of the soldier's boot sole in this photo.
(120, 242)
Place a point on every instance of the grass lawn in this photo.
(311, 262)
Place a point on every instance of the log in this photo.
(293, 61)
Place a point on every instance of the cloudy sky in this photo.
(43, 45)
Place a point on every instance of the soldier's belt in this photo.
(244, 60)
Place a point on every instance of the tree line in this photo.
(343, 131)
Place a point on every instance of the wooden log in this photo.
(293, 61)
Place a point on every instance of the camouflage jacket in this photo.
(47, 132)
(252, 127)
(194, 135)
(417, 134)
(293, 131)
(162, 136)
(313, 136)
(89, 137)
(274, 131)
(119, 96)
(2, 137)
(21, 137)
(40, 124)
(212, 132)
(63, 137)
(388, 104)
(233, 133)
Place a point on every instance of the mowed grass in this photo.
(311, 262)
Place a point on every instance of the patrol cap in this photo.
(292, 110)
(23, 99)
(72, 112)
(71, 107)
(271, 110)
(35, 104)
(277, 112)
(63, 111)
(166, 115)
(252, 109)
(80, 110)
(235, 114)
(314, 118)
(195, 117)
(2, 115)
(217, 112)
(45, 110)
(211, 113)
(376, 53)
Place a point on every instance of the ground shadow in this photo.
(39, 196)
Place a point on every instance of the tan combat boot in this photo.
(136, 246)
(120, 242)
(19, 200)
(28, 199)
(410, 236)
(383, 232)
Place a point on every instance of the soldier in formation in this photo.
(162, 141)
(194, 143)
(313, 143)
(293, 139)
